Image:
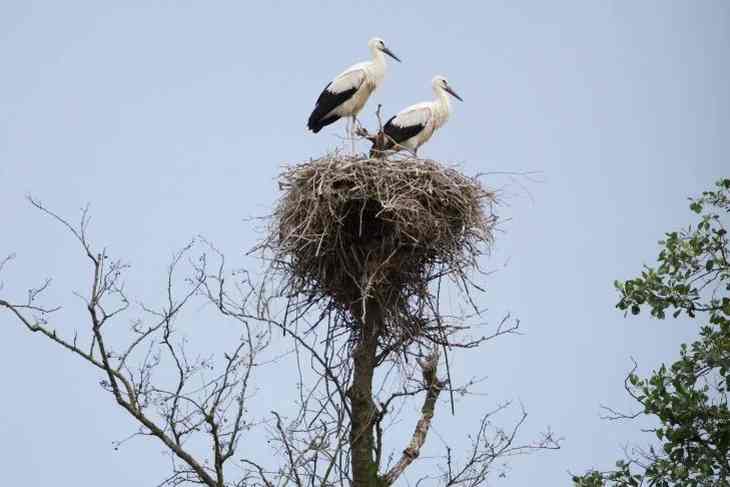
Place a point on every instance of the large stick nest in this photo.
(350, 228)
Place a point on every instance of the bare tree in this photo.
(202, 401)
(363, 353)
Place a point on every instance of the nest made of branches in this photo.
(351, 228)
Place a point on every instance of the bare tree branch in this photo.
(433, 386)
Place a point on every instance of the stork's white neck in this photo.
(442, 100)
(377, 67)
(378, 57)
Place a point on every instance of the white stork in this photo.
(413, 126)
(345, 95)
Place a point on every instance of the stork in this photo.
(345, 95)
(415, 125)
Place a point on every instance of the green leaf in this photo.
(726, 306)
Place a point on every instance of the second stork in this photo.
(413, 126)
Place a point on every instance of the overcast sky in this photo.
(172, 119)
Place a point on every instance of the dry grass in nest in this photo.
(350, 227)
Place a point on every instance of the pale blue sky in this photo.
(172, 119)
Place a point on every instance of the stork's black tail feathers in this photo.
(317, 120)
(326, 103)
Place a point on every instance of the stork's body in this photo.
(415, 125)
(347, 94)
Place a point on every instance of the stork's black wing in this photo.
(334, 94)
(398, 133)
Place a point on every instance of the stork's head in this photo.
(441, 83)
(376, 44)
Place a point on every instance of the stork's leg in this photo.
(347, 131)
(353, 132)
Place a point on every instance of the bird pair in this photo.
(346, 95)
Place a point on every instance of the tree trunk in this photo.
(364, 469)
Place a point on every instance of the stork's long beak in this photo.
(452, 93)
(390, 53)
